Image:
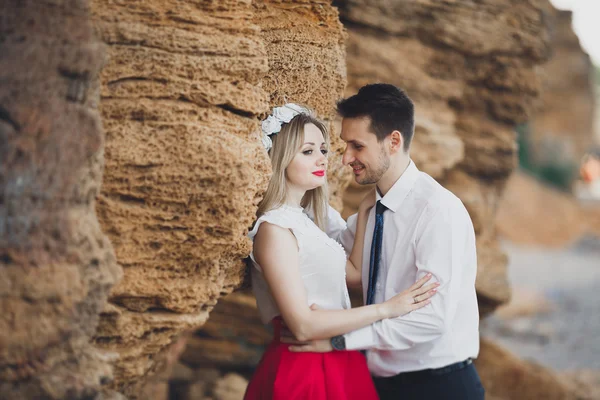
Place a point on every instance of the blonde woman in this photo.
(299, 273)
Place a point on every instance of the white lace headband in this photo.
(279, 116)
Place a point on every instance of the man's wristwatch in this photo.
(338, 342)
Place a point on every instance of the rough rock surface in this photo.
(470, 68)
(506, 377)
(562, 127)
(182, 96)
(56, 265)
(526, 202)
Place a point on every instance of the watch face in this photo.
(338, 343)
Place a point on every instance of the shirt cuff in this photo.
(360, 339)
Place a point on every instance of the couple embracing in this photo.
(411, 247)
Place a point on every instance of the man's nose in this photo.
(347, 157)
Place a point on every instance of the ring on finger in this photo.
(415, 301)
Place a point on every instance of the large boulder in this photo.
(506, 377)
(561, 130)
(56, 265)
(471, 70)
(181, 99)
(526, 202)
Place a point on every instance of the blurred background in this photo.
(131, 169)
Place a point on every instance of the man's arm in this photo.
(444, 246)
(346, 235)
(336, 226)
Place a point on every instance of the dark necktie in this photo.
(375, 251)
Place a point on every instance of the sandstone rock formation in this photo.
(182, 96)
(56, 266)
(562, 127)
(470, 68)
(505, 377)
(526, 202)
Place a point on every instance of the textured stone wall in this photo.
(182, 93)
(507, 377)
(562, 126)
(56, 266)
(470, 67)
(471, 70)
(181, 98)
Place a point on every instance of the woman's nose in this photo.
(322, 160)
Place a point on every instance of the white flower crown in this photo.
(279, 116)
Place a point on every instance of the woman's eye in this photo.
(307, 152)
(324, 151)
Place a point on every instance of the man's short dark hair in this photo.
(388, 107)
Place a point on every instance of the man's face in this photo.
(368, 158)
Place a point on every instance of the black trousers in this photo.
(455, 382)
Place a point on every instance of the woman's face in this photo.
(308, 169)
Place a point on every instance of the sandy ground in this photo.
(554, 317)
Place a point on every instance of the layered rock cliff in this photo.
(561, 130)
(56, 265)
(181, 98)
(182, 93)
(470, 69)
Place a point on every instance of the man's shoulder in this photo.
(434, 195)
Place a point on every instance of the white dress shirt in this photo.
(426, 229)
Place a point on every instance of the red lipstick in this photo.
(319, 173)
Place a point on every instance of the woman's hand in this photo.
(367, 202)
(411, 299)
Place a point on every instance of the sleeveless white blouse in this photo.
(321, 259)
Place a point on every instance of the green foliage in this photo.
(524, 147)
(559, 174)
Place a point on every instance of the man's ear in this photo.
(396, 142)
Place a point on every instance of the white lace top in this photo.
(322, 262)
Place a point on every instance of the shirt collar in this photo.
(397, 193)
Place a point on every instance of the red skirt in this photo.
(337, 375)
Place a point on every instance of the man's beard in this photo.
(373, 175)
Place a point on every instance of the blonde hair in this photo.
(286, 144)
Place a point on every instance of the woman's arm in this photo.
(276, 251)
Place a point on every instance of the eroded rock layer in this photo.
(470, 68)
(506, 377)
(562, 127)
(182, 97)
(56, 266)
